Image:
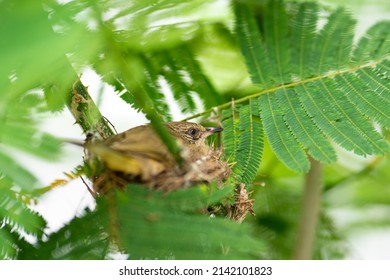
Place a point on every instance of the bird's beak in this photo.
(212, 130)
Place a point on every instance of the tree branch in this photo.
(85, 111)
(311, 203)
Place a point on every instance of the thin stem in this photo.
(311, 204)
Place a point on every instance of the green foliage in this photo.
(23, 76)
(150, 225)
(16, 218)
(83, 238)
(248, 34)
(374, 45)
(307, 89)
(285, 147)
(243, 141)
(155, 227)
(305, 76)
(303, 129)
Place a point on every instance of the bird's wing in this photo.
(140, 142)
(115, 160)
(138, 151)
(135, 165)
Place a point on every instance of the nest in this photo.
(210, 168)
(207, 169)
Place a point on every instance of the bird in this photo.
(138, 155)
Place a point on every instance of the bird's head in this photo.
(191, 133)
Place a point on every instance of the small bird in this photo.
(138, 155)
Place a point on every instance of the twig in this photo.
(88, 188)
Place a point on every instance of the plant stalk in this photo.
(310, 210)
(85, 111)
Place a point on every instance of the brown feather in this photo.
(139, 155)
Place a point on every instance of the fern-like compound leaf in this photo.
(231, 133)
(374, 45)
(365, 99)
(243, 140)
(333, 43)
(286, 147)
(14, 212)
(176, 78)
(303, 27)
(306, 132)
(275, 24)
(316, 87)
(199, 83)
(250, 147)
(252, 45)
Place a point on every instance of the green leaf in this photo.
(303, 128)
(250, 147)
(333, 43)
(374, 45)
(199, 83)
(23, 178)
(155, 25)
(7, 244)
(33, 52)
(303, 27)
(231, 133)
(355, 120)
(243, 140)
(329, 119)
(285, 146)
(82, 238)
(376, 80)
(275, 23)
(251, 44)
(365, 99)
(176, 80)
(154, 89)
(28, 139)
(142, 214)
(315, 87)
(88, 236)
(198, 197)
(15, 213)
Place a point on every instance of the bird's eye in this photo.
(192, 131)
